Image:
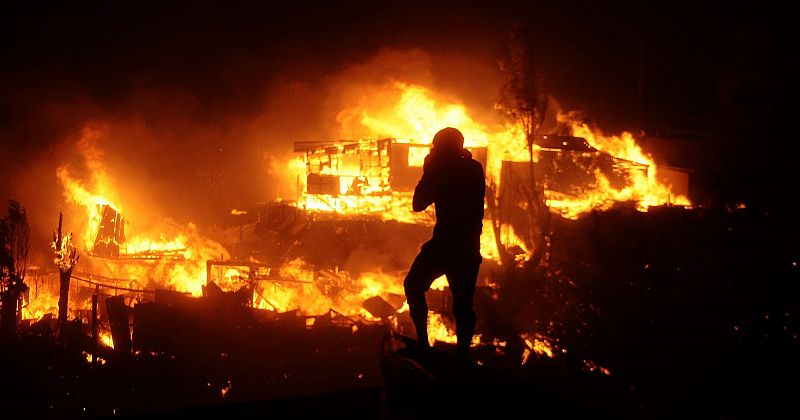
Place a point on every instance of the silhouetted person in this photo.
(454, 182)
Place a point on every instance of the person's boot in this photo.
(421, 327)
(421, 347)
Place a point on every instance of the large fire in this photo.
(415, 112)
(412, 114)
(178, 262)
(409, 114)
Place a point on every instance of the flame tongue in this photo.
(398, 111)
(178, 262)
(414, 112)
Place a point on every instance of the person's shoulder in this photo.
(474, 165)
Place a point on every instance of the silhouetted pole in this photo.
(94, 325)
(63, 291)
(65, 258)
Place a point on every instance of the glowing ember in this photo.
(536, 344)
(227, 388)
(591, 366)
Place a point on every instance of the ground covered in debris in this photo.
(668, 313)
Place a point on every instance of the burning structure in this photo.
(181, 301)
(356, 180)
(372, 176)
(110, 240)
(330, 263)
(363, 176)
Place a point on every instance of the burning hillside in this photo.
(212, 210)
(370, 176)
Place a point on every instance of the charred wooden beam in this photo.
(118, 320)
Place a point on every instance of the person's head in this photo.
(448, 141)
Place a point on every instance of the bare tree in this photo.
(523, 100)
(14, 247)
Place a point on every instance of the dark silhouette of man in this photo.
(454, 183)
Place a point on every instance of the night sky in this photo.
(721, 79)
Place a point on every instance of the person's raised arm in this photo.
(425, 192)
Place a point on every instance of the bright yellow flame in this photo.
(105, 338)
(315, 292)
(440, 283)
(188, 274)
(438, 330)
(45, 301)
(537, 344)
(417, 113)
(42, 298)
(508, 238)
(644, 188)
(413, 114)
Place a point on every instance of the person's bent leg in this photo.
(421, 275)
(462, 279)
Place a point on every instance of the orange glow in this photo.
(105, 338)
(591, 366)
(644, 189)
(439, 284)
(36, 305)
(537, 344)
(508, 237)
(417, 113)
(414, 113)
(411, 113)
(438, 330)
(313, 292)
(184, 271)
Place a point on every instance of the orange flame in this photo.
(186, 275)
(645, 189)
(313, 292)
(415, 113)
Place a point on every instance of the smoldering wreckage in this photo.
(302, 311)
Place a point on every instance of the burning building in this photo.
(342, 184)
(110, 240)
(363, 176)
(331, 262)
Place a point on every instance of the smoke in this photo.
(197, 108)
(170, 153)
